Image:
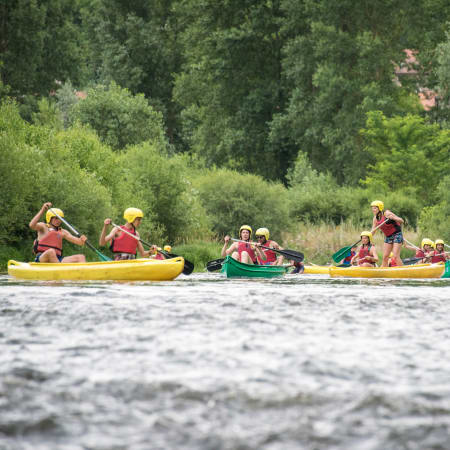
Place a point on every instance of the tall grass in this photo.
(320, 241)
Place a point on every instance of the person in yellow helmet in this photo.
(439, 254)
(158, 252)
(122, 244)
(426, 251)
(48, 245)
(367, 255)
(262, 235)
(245, 252)
(390, 225)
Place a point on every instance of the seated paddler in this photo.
(367, 255)
(272, 259)
(122, 244)
(246, 251)
(50, 235)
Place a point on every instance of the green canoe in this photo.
(233, 268)
(447, 270)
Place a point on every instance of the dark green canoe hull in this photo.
(447, 270)
(236, 269)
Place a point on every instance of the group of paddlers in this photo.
(391, 225)
(124, 240)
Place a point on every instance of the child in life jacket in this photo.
(366, 255)
(245, 252)
(439, 254)
(158, 252)
(50, 235)
(272, 259)
(426, 251)
(122, 244)
(392, 262)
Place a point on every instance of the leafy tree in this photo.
(231, 83)
(120, 118)
(407, 153)
(136, 44)
(40, 43)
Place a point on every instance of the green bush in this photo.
(158, 185)
(120, 118)
(232, 199)
(433, 220)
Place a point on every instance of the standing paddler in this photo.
(392, 231)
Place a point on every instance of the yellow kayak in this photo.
(317, 270)
(415, 271)
(129, 270)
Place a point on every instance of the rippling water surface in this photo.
(203, 362)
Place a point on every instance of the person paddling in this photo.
(425, 252)
(244, 252)
(262, 235)
(347, 261)
(48, 245)
(392, 230)
(439, 254)
(367, 255)
(122, 245)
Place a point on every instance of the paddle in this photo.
(216, 264)
(409, 261)
(289, 254)
(77, 234)
(342, 253)
(188, 266)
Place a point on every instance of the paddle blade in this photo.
(292, 255)
(342, 253)
(216, 264)
(447, 270)
(99, 254)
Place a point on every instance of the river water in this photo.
(303, 362)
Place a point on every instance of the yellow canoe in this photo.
(317, 270)
(415, 271)
(129, 270)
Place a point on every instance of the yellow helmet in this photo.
(167, 248)
(262, 232)
(378, 203)
(51, 213)
(426, 241)
(391, 255)
(438, 241)
(131, 214)
(368, 234)
(245, 227)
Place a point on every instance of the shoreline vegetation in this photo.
(317, 242)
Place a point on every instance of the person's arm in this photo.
(102, 240)
(224, 251)
(35, 224)
(280, 258)
(390, 215)
(259, 251)
(75, 240)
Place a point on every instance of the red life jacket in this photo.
(438, 257)
(420, 254)
(393, 262)
(271, 256)
(159, 256)
(53, 239)
(125, 243)
(243, 247)
(390, 227)
(363, 253)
